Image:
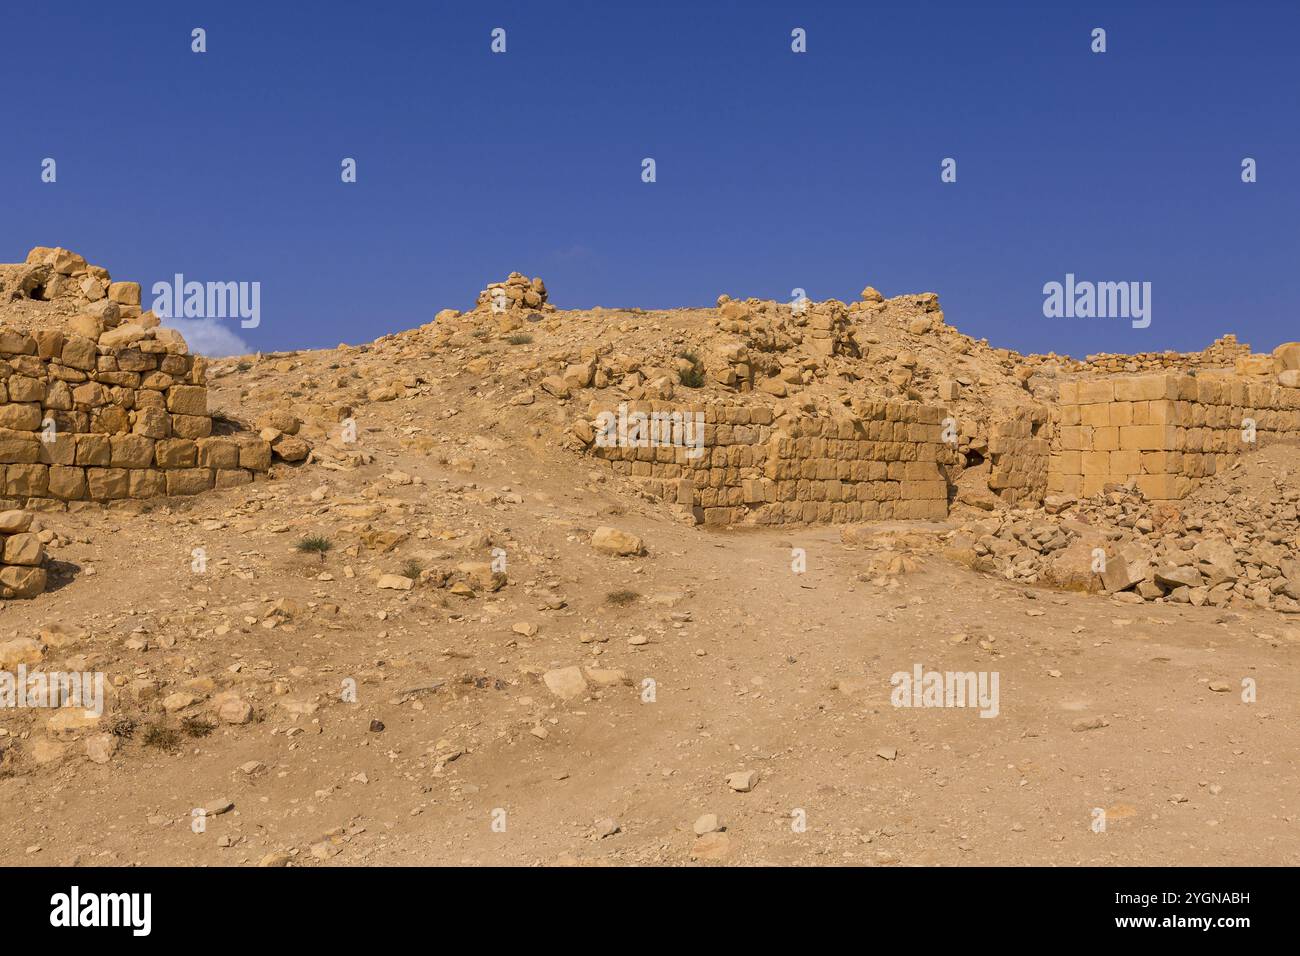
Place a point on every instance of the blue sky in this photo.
(775, 170)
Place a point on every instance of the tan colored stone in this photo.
(105, 484)
(93, 450)
(146, 483)
(187, 400)
(72, 722)
(188, 481)
(125, 293)
(567, 683)
(15, 521)
(613, 541)
(27, 480)
(25, 549)
(67, 483)
(20, 650)
(151, 423)
(232, 477)
(255, 455)
(125, 334)
(131, 451)
(22, 582)
(175, 453)
(191, 426)
(79, 352)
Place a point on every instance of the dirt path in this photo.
(755, 668)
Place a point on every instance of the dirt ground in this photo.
(755, 668)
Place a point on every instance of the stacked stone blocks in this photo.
(883, 462)
(22, 555)
(124, 416)
(1018, 458)
(1165, 432)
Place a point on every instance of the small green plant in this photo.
(519, 338)
(315, 544)
(692, 377)
(411, 569)
(621, 598)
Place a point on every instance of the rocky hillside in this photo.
(438, 631)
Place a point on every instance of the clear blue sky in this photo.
(775, 170)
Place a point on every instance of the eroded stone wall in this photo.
(122, 415)
(1165, 432)
(883, 461)
(1018, 457)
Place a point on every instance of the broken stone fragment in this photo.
(742, 781)
(567, 683)
(613, 541)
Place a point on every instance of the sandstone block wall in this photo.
(122, 415)
(882, 462)
(1166, 431)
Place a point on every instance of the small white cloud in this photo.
(210, 337)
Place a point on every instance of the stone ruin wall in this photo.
(123, 416)
(884, 462)
(1018, 455)
(1164, 432)
(1223, 352)
(102, 405)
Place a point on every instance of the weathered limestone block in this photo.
(131, 451)
(27, 480)
(191, 426)
(21, 582)
(146, 483)
(24, 549)
(219, 452)
(19, 416)
(188, 481)
(110, 420)
(187, 400)
(93, 449)
(232, 477)
(106, 484)
(68, 483)
(151, 422)
(79, 353)
(255, 454)
(176, 453)
(125, 293)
